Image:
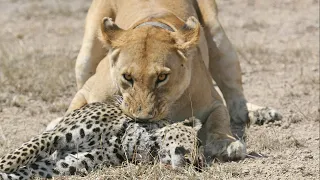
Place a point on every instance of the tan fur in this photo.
(190, 56)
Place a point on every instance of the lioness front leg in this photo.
(224, 66)
(92, 51)
(217, 138)
(225, 69)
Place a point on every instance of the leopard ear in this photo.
(193, 122)
(197, 125)
(188, 36)
(110, 31)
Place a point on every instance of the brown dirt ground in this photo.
(278, 45)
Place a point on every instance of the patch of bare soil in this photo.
(278, 46)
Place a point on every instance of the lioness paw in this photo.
(225, 150)
(53, 124)
(236, 150)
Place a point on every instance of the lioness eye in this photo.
(162, 77)
(127, 77)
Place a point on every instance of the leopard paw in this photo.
(261, 115)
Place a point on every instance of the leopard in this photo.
(100, 135)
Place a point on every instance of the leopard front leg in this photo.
(22, 174)
(217, 138)
(81, 163)
(42, 168)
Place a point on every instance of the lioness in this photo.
(161, 56)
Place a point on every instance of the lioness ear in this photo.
(113, 56)
(110, 31)
(189, 34)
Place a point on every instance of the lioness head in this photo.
(151, 66)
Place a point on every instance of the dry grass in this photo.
(279, 52)
(156, 171)
(33, 75)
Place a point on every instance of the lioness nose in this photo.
(144, 114)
